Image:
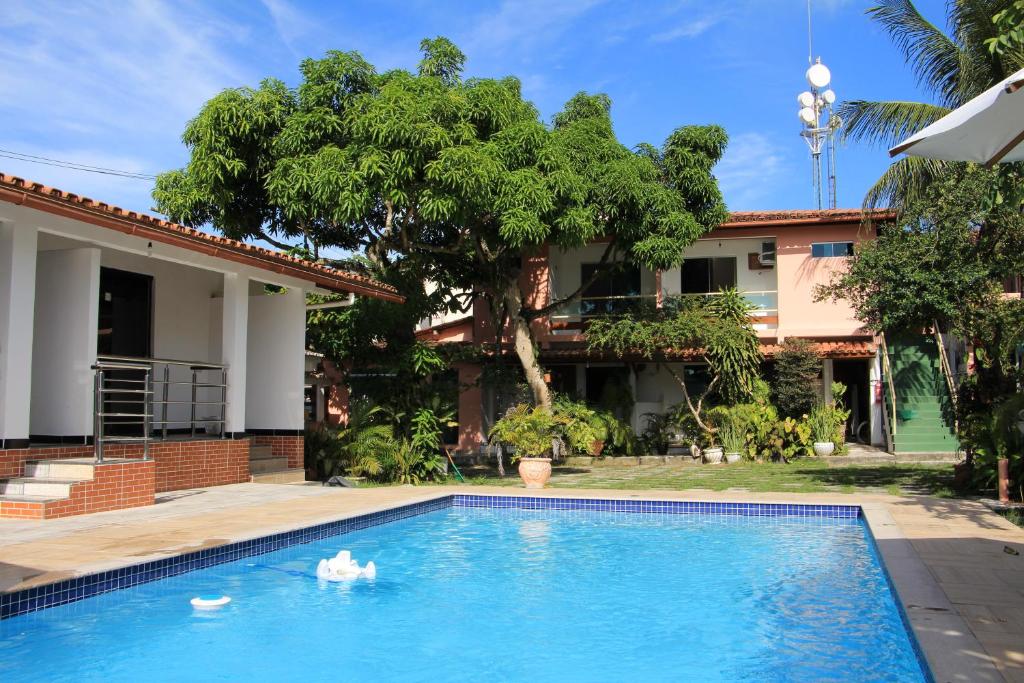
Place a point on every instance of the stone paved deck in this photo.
(963, 592)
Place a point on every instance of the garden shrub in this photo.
(795, 383)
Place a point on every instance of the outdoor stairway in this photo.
(923, 407)
(267, 468)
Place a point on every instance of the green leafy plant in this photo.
(732, 437)
(530, 431)
(718, 327)
(405, 463)
(354, 447)
(795, 379)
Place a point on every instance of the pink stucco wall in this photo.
(471, 428)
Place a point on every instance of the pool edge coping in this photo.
(938, 631)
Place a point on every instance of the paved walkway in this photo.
(952, 561)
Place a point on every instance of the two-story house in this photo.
(775, 259)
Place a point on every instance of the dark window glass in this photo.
(827, 249)
(696, 276)
(705, 275)
(602, 297)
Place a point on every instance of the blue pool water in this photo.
(468, 594)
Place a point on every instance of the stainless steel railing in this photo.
(137, 397)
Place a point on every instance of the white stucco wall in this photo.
(17, 298)
(275, 361)
(64, 341)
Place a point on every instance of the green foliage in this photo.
(945, 259)
(719, 326)
(439, 178)
(530, 431)
(795, 380)
(1010, 26)
(953, 68)
(352, 448)
(407, 463)
(732, 437)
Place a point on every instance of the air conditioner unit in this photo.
(767, 255)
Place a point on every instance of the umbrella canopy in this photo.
(989, 129)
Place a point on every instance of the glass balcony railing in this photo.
(572, 318)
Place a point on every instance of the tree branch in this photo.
(280, 245)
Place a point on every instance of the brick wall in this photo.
(192, 464)
(115, 486)
(291, 447)
(179, 464)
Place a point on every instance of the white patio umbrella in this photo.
(989, 129)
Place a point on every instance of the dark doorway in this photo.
(854, 374)
(609, 388)
(125, 329)
(126, 314)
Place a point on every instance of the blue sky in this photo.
(113, 83)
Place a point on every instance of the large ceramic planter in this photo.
(535, 472)
(733, 457)
(596, 447)
(823, 448)
(713, 456)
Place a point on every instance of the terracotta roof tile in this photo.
(743, 219)
(38, 196)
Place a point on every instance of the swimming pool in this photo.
(505, 593)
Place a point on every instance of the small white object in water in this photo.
(210, 601)
(342, 567)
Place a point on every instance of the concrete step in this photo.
(260, 452)
(265, 465)
(292, 476)
(38, 486)
(11, 498)
(83, 469)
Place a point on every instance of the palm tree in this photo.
(953, 68)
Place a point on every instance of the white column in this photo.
(875, 374)
(18, 246)
(234, 327)
(64, 341)
(276, 361)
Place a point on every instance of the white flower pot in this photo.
(823, 448)
(713, 456)
(733, 457)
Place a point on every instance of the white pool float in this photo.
(210, 601)
(342, 567)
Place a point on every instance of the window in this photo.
(707, 275)
(827, 249)
(616, 291)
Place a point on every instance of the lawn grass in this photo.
(809, 476)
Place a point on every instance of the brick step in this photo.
(13, 498)
(82, 469)
(266, 465)
(292, 476)
(260, 453)
(38, 486)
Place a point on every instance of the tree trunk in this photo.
(522, 342)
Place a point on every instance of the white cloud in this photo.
(290, 23)
(752, 168)
(524, 23)
(689, 29)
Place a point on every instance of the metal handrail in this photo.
(887, 371)
(947, 372)
(153, 396)
(134, 360)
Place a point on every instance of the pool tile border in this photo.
(678, 507)
(81, 587)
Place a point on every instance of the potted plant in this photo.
(733, 439)
(820, 420)
(531, 432)
(599, 423)
(712, 453)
